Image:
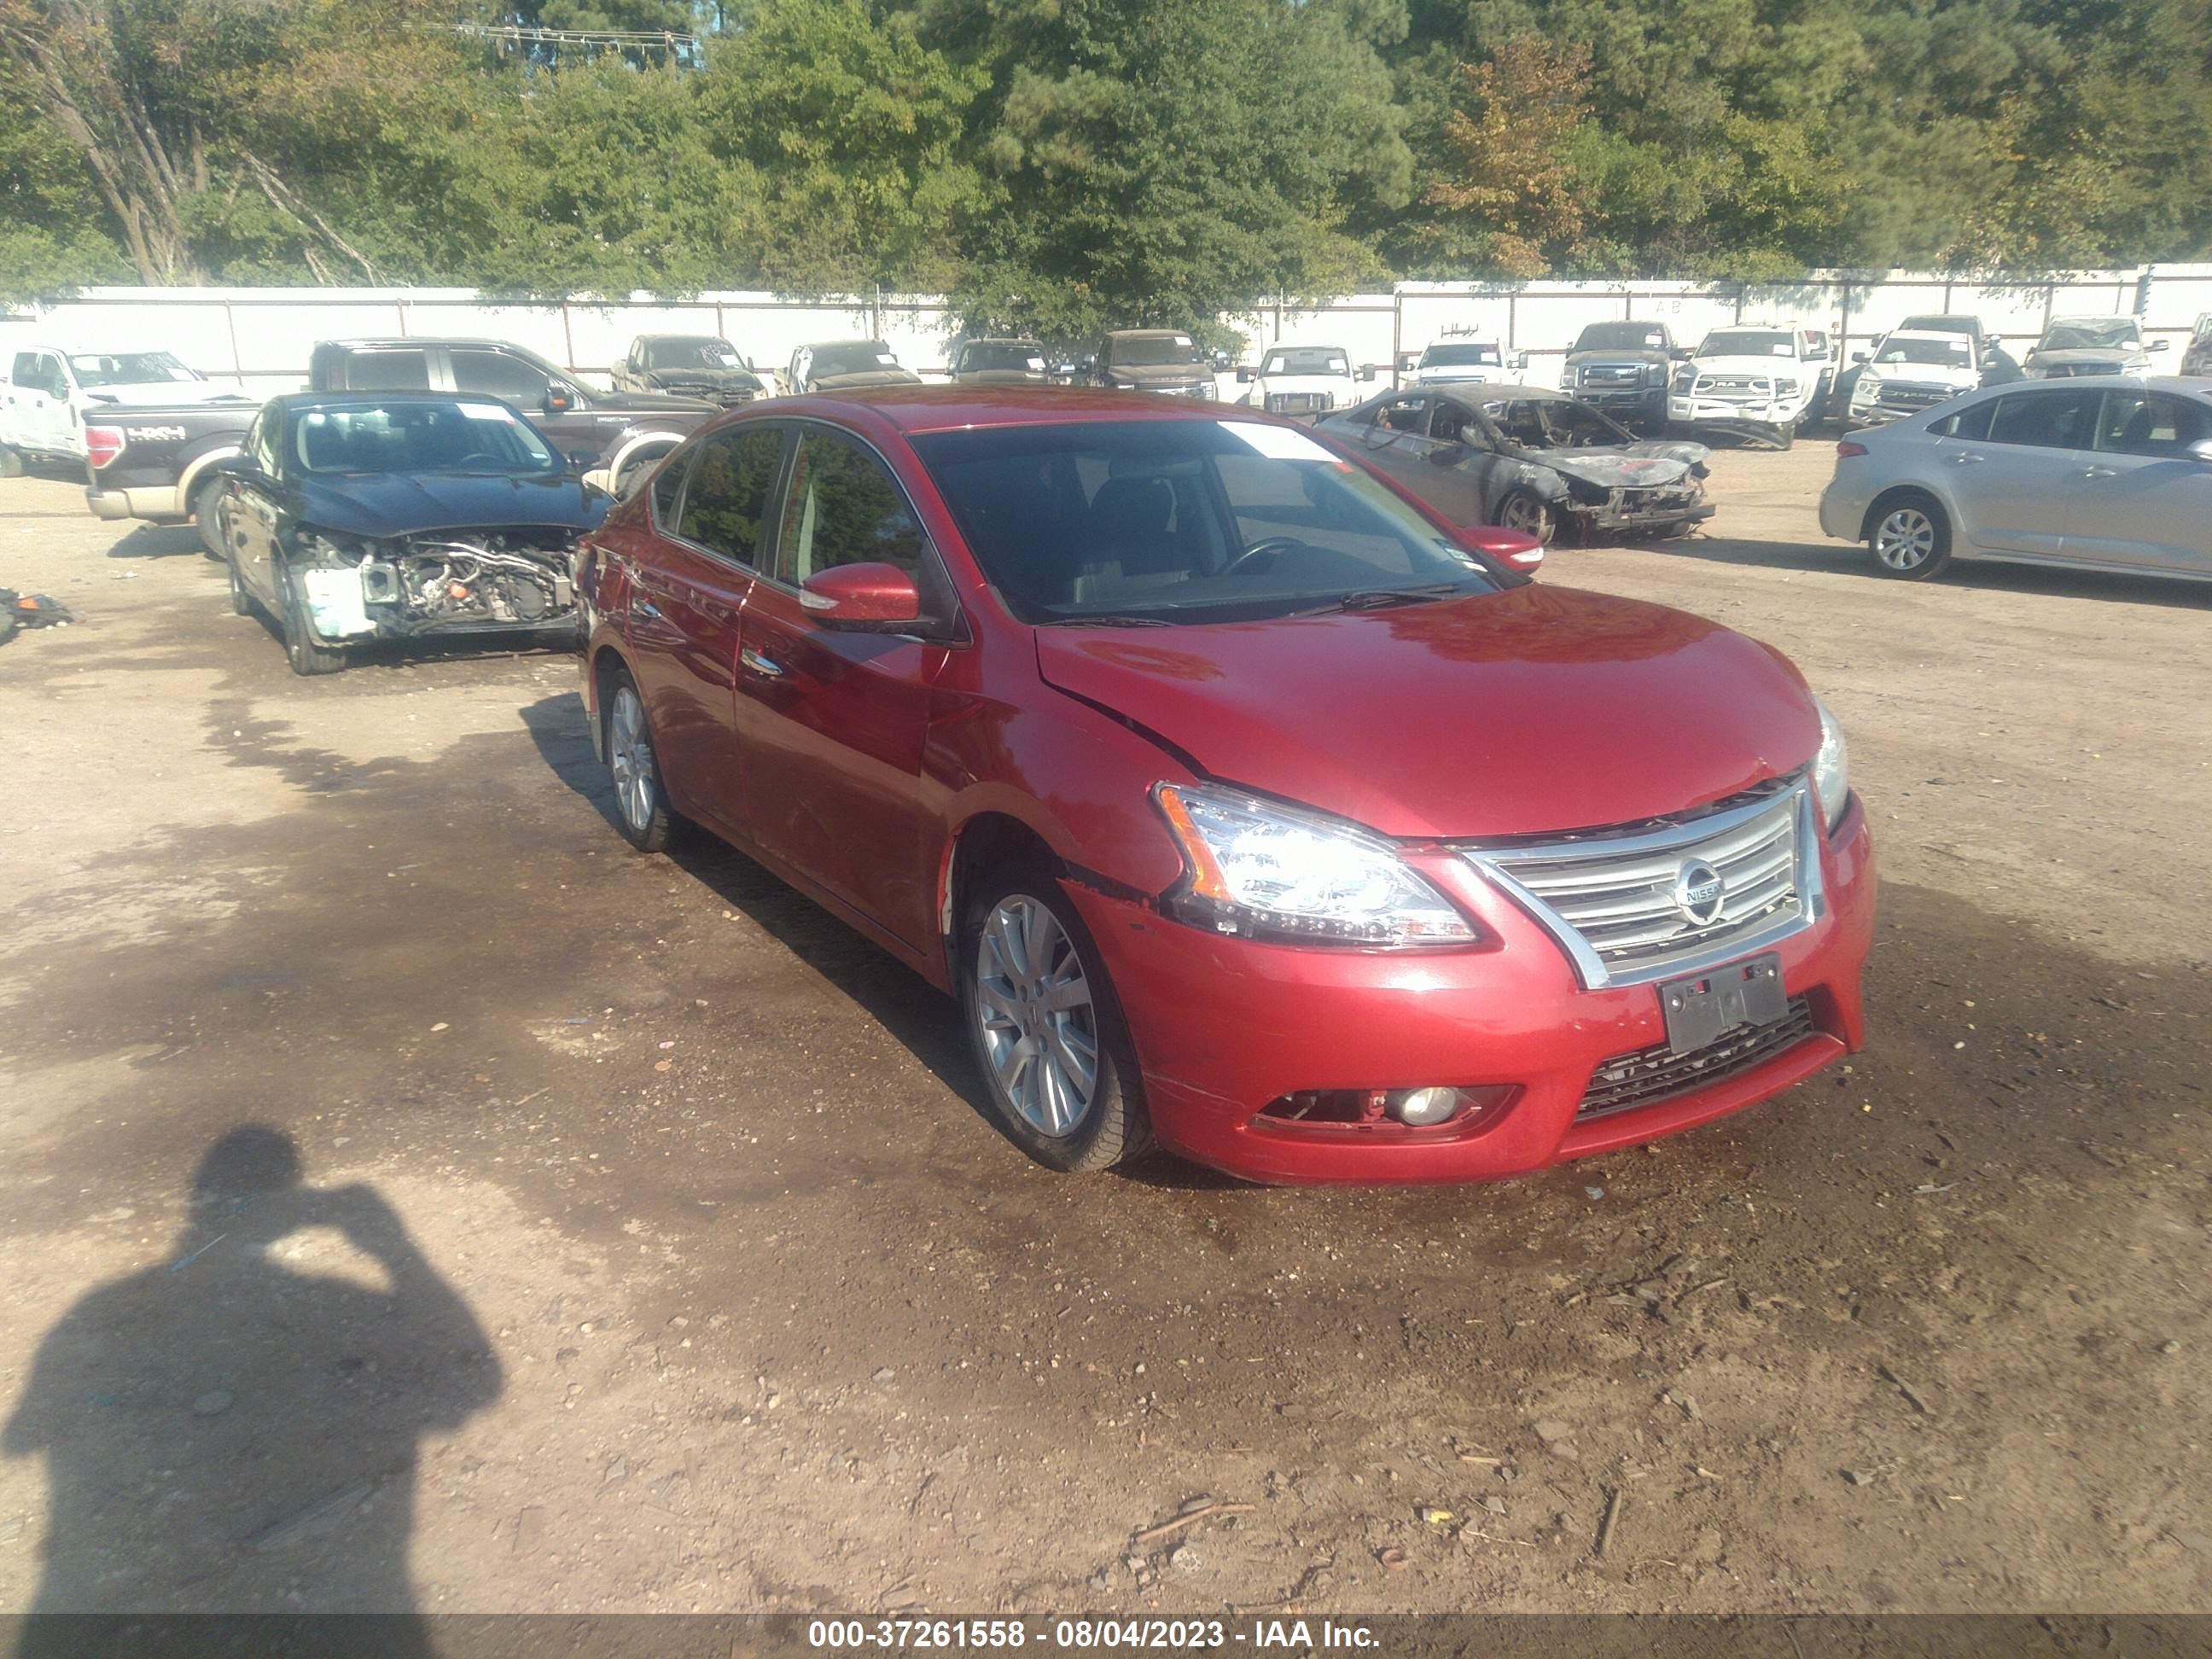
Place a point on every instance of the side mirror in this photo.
(1520, 362)
(1369, 371)
(1221, 359)
(1087, 362)
(881, 598)
(1516, 550)
(2201, 452)
(1679, 354)
(1243, 374)
(2160, 345)
(1858, 357)
(1408, 362)
(559, 399)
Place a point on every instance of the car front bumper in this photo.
(1223, 1026)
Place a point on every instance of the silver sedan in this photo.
(2112, 472)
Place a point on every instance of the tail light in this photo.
(102, 444)
(1847, 449)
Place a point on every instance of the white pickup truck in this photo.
(49, 394)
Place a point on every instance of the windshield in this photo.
(1749, 343)
(853, 357)
(1306, 360)
(2092, 334)
(1022, 356)
(128, 368)
(1147, 350)
(1182, 521)
(1453, 356)
(692, 354)
(1622, 337)
(1950, 353)
(419, 435)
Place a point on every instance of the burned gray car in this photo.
(1526, 459)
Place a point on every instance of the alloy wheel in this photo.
(1524, 512)
(1033, 1006)
(1906, 539)
(630, 757)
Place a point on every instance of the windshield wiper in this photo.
(1107, 619)
(1383, 598)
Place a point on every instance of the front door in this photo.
(42, 417)
(251, 510)
(832, 722)
(2142, 498)
(687, 597)
(2011, 464)
(1392, 436)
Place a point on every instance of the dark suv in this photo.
(687, 366)
(625, 430)
(1160, 359)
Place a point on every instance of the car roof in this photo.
(1491, 391)
(381, 341)
(681, 336)
(1147, 333)
(1002, 339)
(816, 345)
(1926, 334)
(2093, 317)
(913, 408)
(301, 399)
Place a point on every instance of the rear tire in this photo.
(1045, 1026)
(303, 647)
(641, 810)
(241, 602)
(11, 462)
(207, 516)
(1910, 538)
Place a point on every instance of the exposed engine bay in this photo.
(445, 581)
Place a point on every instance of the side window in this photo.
(1522, 423)
(24, 371)
(668, 485)
(406, 370)
(845, 508)
(2045, 420)
(636, 358)
(2152, 424)
(729, 494)
(500, 374)
(261, 444)
(1971, 423)
(1405, 414)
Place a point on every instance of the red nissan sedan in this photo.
(1246, 806)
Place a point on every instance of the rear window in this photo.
(1306, 360)
(1020, 358)
(406, 370)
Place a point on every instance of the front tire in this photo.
(303, 647)
(241, 602)
(1525, 511)
(1910, 540)
(641, 810)
(1046, 1028)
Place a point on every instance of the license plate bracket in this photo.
(1702, 1008)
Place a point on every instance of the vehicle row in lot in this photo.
(2112, 472)
(1245, 803)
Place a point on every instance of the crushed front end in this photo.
(439, 583)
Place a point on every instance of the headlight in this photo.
(1275, 872)
(1868, 385)
(1832, 768)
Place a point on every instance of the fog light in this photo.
(1422, 1107)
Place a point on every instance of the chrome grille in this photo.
(1651, 1075)
(1297, 403)
(1907, 394)
(1609, 898)
(1735, 388)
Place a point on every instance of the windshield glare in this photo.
(1951, 354)
(1149, 352)
(2092, 334)
(1748, 342)
(856, 357)
(424, 436)
(128, 368)
(1307, 360)
(1022, 356)
(692, 354)
(1450, 356)
(1181, 521)
(1622, 336)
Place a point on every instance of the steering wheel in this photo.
(1261, 553)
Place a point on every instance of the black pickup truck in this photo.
(152, 463)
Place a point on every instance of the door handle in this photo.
(759, 665)
(2101, 473)
(1964, 458)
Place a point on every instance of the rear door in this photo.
(688, 592)
(2012, 464)
(39, 405)
(833, 723)
(1392, 435)
(2141, 499)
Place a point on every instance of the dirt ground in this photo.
(648, 1252)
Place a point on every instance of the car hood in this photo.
(1927, 373)
(861, 378)
(1635, 466)
(2072, 355)
(378, 504)
(1526, 712)
(1158, 375)
(166, 393)
(715, 379)
(1638, 355)
(1784, 368)
(1472, 373)
(1002, 377)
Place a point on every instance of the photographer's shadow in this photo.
(226, 1432)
